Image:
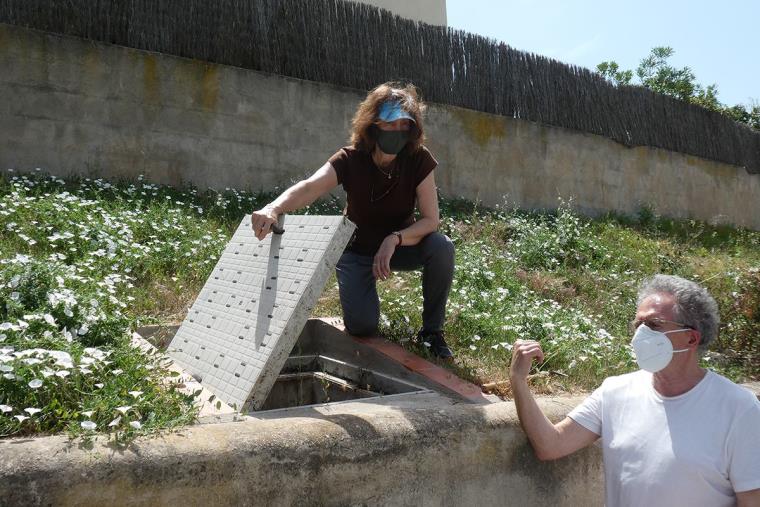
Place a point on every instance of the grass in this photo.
(84, 262)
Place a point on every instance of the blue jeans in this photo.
(358, 294)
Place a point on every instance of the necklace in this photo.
(388, 174)
(372, 197)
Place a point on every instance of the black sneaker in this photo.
(438, 345)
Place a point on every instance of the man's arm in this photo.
(550, 441)
(748, 498)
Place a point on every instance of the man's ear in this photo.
(695, 337)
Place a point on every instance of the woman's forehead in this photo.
(402, 122)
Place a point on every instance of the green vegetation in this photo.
(83, 262)
(655, 73)
(571, 282)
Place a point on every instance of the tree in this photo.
(655, 73)
(612, 72)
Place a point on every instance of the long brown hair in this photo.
(366, 115)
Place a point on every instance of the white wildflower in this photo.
(32, 410)
(62, 358)
(124, 409)
(136, 394)
(115, 422)
(35, 384)
(88, 425)
(5, 408)
(88, 413)
(21, 418)
(135, 424)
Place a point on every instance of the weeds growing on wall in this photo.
(83, 262)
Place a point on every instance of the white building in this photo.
(432, 12)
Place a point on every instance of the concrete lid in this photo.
(249, 314)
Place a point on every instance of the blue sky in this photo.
(716, 39)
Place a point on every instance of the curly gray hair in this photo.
(694, 306)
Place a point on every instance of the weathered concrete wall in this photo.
(491, 158)
(68, 105)
(432, 12)
(345, 454)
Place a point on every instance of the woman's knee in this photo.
(438, 245)
(360, 326)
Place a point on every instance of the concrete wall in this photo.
(432, 12)
(343, 454)
(73, 106)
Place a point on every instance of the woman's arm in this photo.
(299, 195)
(427, 202)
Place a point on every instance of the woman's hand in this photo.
(381, 265)
(262, 221)
(296, 197)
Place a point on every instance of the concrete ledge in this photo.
(425, 451)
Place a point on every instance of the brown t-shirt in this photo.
(379, 200)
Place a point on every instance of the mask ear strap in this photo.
(699, 339)
(414, 132)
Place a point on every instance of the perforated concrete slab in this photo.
(246, 319)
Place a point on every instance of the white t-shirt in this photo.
(694, 449)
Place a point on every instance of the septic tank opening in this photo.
(315, 379)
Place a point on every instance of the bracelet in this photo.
(400, 238)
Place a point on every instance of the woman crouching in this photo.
(387, 174)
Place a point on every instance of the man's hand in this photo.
(262, 221)
(381, 265)
(523, 353)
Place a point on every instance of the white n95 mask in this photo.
(653, 348)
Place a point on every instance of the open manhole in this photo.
(247, 338)
(310, 380)
(327, 366)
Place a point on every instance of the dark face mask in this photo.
(391, 142)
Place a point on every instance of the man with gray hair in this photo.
(671, 433)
